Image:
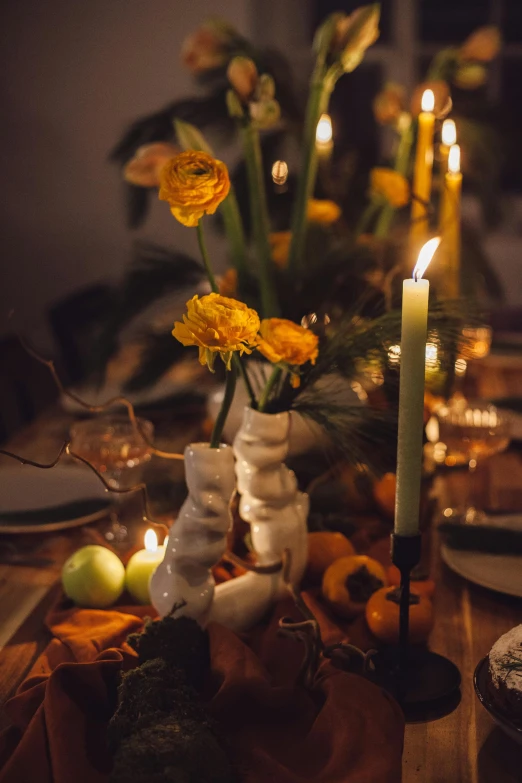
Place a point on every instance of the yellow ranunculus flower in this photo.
(280, 244)
(323, 211)
(194, 184)
(284, 341)
(217, 324)
(390, 184)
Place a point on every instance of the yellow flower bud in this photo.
(483, 45)
(389, 104)
(283, 341)
(207, 48)
(280, 244)
(218, 325)
(323, 211)
(242, 75)
(390, 184)
(194, 184)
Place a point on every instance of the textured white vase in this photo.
(270, 502)
(197, 540)
(276, 511)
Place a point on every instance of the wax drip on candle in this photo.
(454, 159)
(426, 254)
(449, 132)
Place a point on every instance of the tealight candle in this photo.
(411, 394)
(141, 566)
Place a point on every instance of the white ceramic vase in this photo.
(198, 538)
(276, 511)
(270, 502)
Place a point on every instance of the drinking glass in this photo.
(472, 431)
(114, 446)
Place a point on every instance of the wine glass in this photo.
(114, 446)
(470, 431)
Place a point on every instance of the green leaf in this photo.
(190, 137)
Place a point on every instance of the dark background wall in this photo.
(74, 73)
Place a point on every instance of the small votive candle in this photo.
(141, 566)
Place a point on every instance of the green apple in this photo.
(93, 576)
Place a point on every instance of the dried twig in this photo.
(119, 400)
(66, 449)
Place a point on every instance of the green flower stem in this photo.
(319, 97)
(401, 165)
(367, 216)
(276, 373)
(246, 380)
(230, 388)
(260, 220)
(235, 233)
(204, 255)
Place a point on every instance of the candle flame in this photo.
(426, 254)
(324, 133)
(151, 540)
(454, 159)
(449, 132)
(428, 100)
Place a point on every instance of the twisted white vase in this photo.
(270, 502)
(198, 538)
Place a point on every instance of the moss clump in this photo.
(161, 732)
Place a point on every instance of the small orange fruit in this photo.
(350, 581)
(324, 547)
(384, 494)
(424, 585)
(382, 616)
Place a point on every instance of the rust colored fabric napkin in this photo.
(343, 730)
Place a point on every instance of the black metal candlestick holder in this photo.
(427, 685)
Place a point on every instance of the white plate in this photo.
(25, 488)
(502, 573)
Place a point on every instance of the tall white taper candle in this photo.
(411, 394)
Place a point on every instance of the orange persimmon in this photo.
(324, 547)
(425, 585)
(350, 581)
(382, 616)
(384, 494)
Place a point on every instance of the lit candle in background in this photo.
(423, 170)
(324, 137)
(141, 566)
(449, 223)
(448, 138)
(414, 332)
(280, 175)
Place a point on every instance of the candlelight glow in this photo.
(280, 172)
(323, 134)
(428, 100)
(449, 133)
(454, 159)
(151, 541)
(426, 254)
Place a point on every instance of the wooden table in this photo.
(463, 747)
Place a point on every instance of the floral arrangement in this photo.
(322, 269)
